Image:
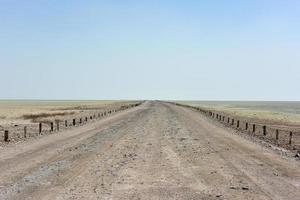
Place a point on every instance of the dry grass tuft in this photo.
(36, 117)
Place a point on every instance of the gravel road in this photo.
(154, 151)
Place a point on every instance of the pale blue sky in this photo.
(211, 50)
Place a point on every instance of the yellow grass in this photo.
(16, 111)
(266, 111)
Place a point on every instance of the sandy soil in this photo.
(153, 151)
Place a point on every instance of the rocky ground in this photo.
(154, 151)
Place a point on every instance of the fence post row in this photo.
(231, 122)
(40, 125)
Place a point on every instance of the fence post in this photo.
(57, 125)
(246, 126)
(6, 136)
(228, 120)
(277, 136)
(51, 125)
(40, 128)
(238, 123)
(232, 122)
(86, 119)
(25, 131)
(290, 138)
(253, 128)
(80, 120)
(74, 122)
(66, 123)
(264, 130)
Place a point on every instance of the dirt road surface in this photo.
(154, 151)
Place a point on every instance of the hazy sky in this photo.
(166, 49)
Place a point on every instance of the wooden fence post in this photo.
(264, 130)
(246, 126)
(80, 120)
(74, 122)
(66, 123)
(6, 136)
(238, 123)
(290, 138)
(40, 128)
(51, 125)
(228, 119)
(277, 136)
(25, 131)
(232, 122)
(253, 128)
(57, 125)
(86, 119)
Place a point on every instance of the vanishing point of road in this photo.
(154, 151)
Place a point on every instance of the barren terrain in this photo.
(153, 151)
(285, 113)
(15, 115)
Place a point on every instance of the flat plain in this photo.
(153, 151)
(270, 112)
(17, 114)
(19, 111)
